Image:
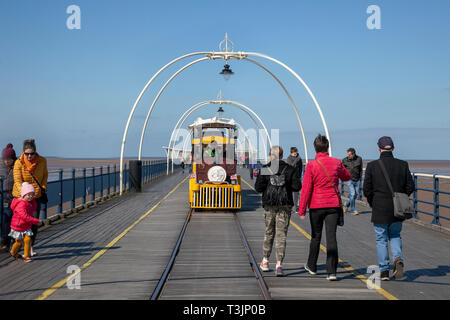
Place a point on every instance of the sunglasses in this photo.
(29, 154)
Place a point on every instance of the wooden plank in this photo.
(212, 262)
(74, 241)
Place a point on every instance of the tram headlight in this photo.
(217, 174)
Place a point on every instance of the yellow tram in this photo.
(214, 182)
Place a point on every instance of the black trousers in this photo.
(6, 227)
(318, 217)
(34, 227)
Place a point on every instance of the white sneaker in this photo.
(279, 271)
(331, 277)
(264, 266)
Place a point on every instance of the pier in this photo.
(151, 245)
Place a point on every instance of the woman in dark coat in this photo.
(8, 158)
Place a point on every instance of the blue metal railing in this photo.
(415, 196)
(84, 184)
(436, 193)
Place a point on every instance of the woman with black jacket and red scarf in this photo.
(386, 226)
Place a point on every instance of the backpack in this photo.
(276, 192)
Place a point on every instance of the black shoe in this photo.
(384, 275)
(398, 269)
(309, 270)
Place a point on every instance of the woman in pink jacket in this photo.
(321, 195)
(22, 221)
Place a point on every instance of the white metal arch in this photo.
(292, 103)
(157, 98)
(202, 59)
(244, 108)
(213, 56)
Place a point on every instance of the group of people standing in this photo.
(280, 184)
(24, 189)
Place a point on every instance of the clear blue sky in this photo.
(72, 90)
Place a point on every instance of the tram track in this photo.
(165, 277)
(176, 249)
(253, 263)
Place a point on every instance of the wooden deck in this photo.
(123, 245)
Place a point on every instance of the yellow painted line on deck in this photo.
(343, 264)
(61, 283)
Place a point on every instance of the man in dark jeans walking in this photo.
(386, 226)
(353, 163)
(295, 160)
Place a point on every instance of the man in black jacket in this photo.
(295, 161)
(353, 163)
(277, 206)
(386, 226)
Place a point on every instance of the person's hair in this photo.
(294, 149)
(352, 150)
(29, 144)
(321, 143)
(277, 152)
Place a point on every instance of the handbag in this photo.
(340, 209)
(403, 208)
(43, 199)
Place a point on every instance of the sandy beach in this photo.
(62, 163)
(430, 164)
(56, 163)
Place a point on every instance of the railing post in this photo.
(84, 183)
(73, 190)
(146, 171)
(93, 184)
(143, 172)
(2, 208)
(115, 178)
(60, 205)
(128, 176)
(151, 170)
(109, 180)
(44, 214)
(415, 196)
(436, 200)
(125, 176)
(101, 182)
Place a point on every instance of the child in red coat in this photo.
(22, 221)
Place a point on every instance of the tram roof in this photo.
(214, 122)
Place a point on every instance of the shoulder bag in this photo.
(43, 199)
(403, 208)
(340, 209)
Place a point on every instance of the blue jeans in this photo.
(388, 233)
(353, 190)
